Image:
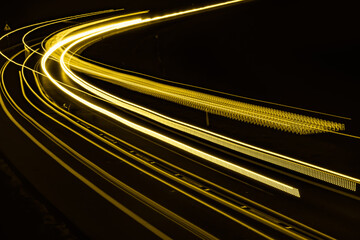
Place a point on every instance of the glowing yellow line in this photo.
(268, 158)
(186, 12)
(147, 131)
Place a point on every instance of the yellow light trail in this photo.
(178, 144)
(142, 84)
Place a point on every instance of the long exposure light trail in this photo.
(209, 102)
(192, 150)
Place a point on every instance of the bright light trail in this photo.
(192, 150)
(209, 101)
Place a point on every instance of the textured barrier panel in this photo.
(250, 113)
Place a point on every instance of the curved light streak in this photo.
(260, 153)
(250, 113)
(192, 150)
(324, 174)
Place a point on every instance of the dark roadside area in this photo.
(25, 214)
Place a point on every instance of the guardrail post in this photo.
(207, 118)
